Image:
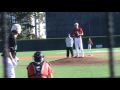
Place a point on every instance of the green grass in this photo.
(107, 57)
(65, 71)
(81, 71)
(63, 52)
(99, 71)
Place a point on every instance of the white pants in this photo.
(79, 45)
(10, 68)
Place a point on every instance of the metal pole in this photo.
(111, 42)
(5, 42)
(35, 25)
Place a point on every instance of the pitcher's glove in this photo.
(77, 34)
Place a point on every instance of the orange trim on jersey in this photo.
(45, 72)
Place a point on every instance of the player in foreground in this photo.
(12, 59)
(39, 68)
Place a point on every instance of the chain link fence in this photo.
(110, 29)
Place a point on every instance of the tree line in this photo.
(25, 19)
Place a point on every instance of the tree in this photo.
(25, 19)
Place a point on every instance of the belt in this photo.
(77, 37)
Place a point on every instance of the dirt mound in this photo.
(81, 61)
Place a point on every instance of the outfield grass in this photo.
(64, 71)
(81, 71)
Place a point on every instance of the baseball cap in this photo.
(16, 27)
(76, 24)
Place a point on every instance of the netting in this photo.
(110, 26)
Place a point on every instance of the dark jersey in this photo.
(12, 45)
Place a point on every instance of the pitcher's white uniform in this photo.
(77, 34)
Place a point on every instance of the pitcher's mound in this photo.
(81, 61)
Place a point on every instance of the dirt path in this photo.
(94, 55)
(86, 55)
(87, 60)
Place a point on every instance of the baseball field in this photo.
(95, 66)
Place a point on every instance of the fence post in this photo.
(110, 23)
(5, 41)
